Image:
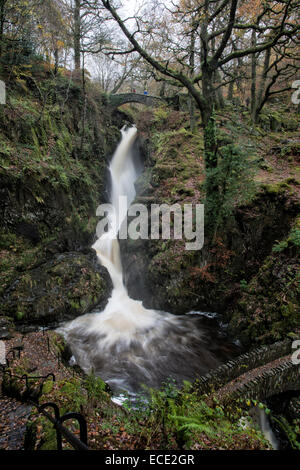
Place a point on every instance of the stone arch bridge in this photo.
(116, 100)
(258, 374)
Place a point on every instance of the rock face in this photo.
(163, 274)
(47, 272)
(269, 304)
(48, 202)
(239, 276)
(69, 285)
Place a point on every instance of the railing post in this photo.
(57, 418)
(51, 374)
(25, 376)
(82, 424)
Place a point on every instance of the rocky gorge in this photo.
(54, 178)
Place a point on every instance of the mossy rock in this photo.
(277, 189)
(67, 286)
(269, 310)
(183, 190)
(290, 123)
(163, 171)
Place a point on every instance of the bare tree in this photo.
(113, 73)
(86, 25)
(273, 24)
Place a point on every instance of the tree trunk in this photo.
(207, 114)
(238, 67)
(84, 109)
(262, 86)
(253, 77)
(2, 20)
(77, 34)
(56, 60)
(162, 90)
(230, 91)
(212, 200)
(219, 94)
(191, 101)
(191, 106)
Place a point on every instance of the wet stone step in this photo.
(13, 419)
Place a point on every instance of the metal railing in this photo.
(57, 420)
(32, 397)
(13, 351)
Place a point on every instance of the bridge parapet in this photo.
(148, 100)
(231, 370)
(277, 377)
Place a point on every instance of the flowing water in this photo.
(266, 429)
(126, 344)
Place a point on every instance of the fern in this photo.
(207, 420)
(289, 431)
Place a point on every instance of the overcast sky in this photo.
(129, 8)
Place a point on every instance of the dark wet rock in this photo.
(269, 305)
(48, 273)
(6, 328)
(13, 424)
(168, 277)
(68, 285)
(55, 212)
(29, 231)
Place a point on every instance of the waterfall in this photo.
(126, 344)
(123, 175)
(266, 429)
(261, 420)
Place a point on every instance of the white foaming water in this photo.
(266, 429)
(260, 419)
(127, 344)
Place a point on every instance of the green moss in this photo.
(7, 240)
(47, 387)
(290, 123)
(160, 115)
(20, 315)
(269, 310)
(49, 440)
(164, 171)
(277, 188)
(292, 241)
